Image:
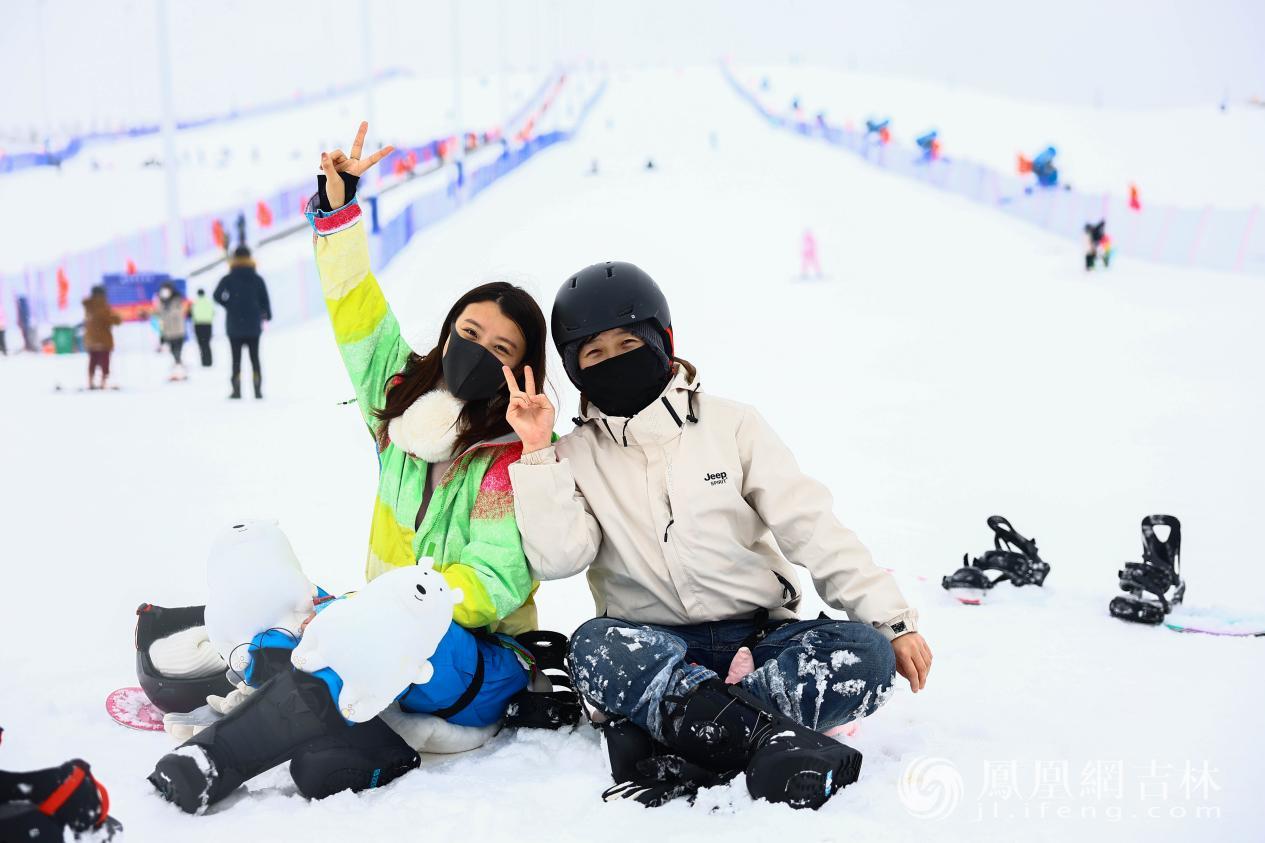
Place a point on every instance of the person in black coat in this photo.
(244, 297)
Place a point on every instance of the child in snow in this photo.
(1097, 244)
(170, 308)
(688, 512)
(98, 336)
(203, 313)
(443, 450)
(808, 260)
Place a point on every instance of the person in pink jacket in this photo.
(689, 514)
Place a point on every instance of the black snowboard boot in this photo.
(267, 729)
(356, 758)
(259, 385)
(648, 772)
(237, 387)
(724, 728)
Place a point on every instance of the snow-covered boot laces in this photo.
(1157, 573)
(267, 729)
(724, 729)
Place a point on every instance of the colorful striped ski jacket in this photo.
(469, 528)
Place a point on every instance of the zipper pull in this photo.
(665, 530)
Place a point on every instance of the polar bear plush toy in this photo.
(254, 583)
(380, 639)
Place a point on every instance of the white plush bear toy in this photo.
(380, 639)
(254, 583)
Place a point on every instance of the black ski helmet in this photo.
(165, 692)
(608, 295)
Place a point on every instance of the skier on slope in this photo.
(1097, 244)
(444, 447)
(171, 309)
(203, 313)
(244, 297)
(99, 320)
(687, 509)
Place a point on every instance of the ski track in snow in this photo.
(970, 367)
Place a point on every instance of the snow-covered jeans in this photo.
(823, 673)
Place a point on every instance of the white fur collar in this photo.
(428, 429)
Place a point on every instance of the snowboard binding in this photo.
(1013, 555)
(1158, 575)
(534, 707)
(169, 693)
(54, 804)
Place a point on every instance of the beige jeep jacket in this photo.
(679, 514)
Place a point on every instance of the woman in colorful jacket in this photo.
(688, 512)
(444, 449)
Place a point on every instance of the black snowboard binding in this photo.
(546, 709)
(725, 730)
(43, 805)
(354, 758)
(165, 692)
(269, 728)
(1013, 555)
(1158, 574)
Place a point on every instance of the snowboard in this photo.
(965, 596)
(60, 388)
(1213, 622)
(131, 708)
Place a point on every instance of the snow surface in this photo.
(1188, 156)
(957, 364)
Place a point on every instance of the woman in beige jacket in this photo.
(688, 512)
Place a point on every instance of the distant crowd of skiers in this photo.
(243, 295)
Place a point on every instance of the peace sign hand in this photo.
(531, 414)
(333, 163)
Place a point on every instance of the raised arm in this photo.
(365, 329)
(560, 535)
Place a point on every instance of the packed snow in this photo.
(952, 365)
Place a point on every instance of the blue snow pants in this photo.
(822, 673)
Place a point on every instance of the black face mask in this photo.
(625, 385)
(471, 372)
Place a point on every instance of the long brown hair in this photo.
(479, 420)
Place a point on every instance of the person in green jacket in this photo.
(444, 500)
(203, 313)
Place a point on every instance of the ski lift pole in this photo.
(171, 164)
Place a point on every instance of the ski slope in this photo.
(112, 189)
(953, 365)
(1189, 156)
